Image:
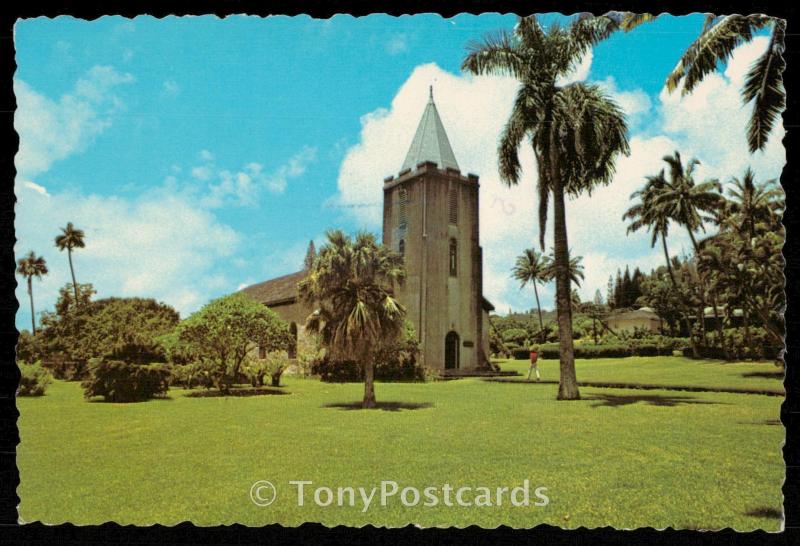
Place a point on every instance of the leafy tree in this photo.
(71, 238)
(29, 267)
(355, 313)
(107, 326)
(533, 268)
(227, 329)
(576, 132)
(720, 36)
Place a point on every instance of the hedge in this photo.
(663, 347)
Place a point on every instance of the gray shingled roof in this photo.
(430, 142)
(278, 290)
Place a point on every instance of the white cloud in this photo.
(53, 130)
(276, 181)
(243, 187)
(161, 245)
(396, 44)
(202, 173)
(41, 190)
(170, 89)
(708, 124)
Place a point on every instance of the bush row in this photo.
(655, 346)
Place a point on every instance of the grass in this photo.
(667, 371)
(618, 457)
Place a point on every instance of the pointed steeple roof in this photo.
(430, 141)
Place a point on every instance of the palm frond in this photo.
(764, 86)
(496, 54)
(632, 20)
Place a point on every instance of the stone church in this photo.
(430, 216)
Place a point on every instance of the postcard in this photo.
(482, 270)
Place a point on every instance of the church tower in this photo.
(430, 216)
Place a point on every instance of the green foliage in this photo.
(222, 333)
(738, 344)
(649, 346)
(272, 366)
(118, 381)
(29, 347)
(393, 362)
(515, 335)
(74, 334)
(34, 379)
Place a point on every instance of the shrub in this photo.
(34, 379)
(735, 346)
(273, 365)
(118, 381)
(29, 347)
(397, 362)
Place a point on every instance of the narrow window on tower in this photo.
(453, 258)
(403, 196)
(453, 204)
(401, 247)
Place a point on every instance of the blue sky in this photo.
(202, 154)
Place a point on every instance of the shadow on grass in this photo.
(614, 400)
(767, 375)
(772, 422)
(765, 512)
(384, 406)
(101, 400)
(214, 393)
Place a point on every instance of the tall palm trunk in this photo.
(369, 385)
(568, 384)
(72, 271)
(33, 314)
(692, 341)
(669, 262)
(539, 309)
(701, 311)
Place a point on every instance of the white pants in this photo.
(531, 370)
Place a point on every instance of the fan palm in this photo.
(350, 287)
(29, 267)
(71, 238)
(533, 267)
(575, 130)
(719, 37)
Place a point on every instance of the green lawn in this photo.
(618, 457)
(659, 370)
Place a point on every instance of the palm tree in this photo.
(646, 214)
(29, 267)
(69, 239)
(690, 205)
(533, 267)
(720, 36)
(751, 203)
(575, 130)
(350, 287)
(574, 267)
(686, 202)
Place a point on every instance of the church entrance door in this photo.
(451, 351)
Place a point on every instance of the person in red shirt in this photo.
(534, 364)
